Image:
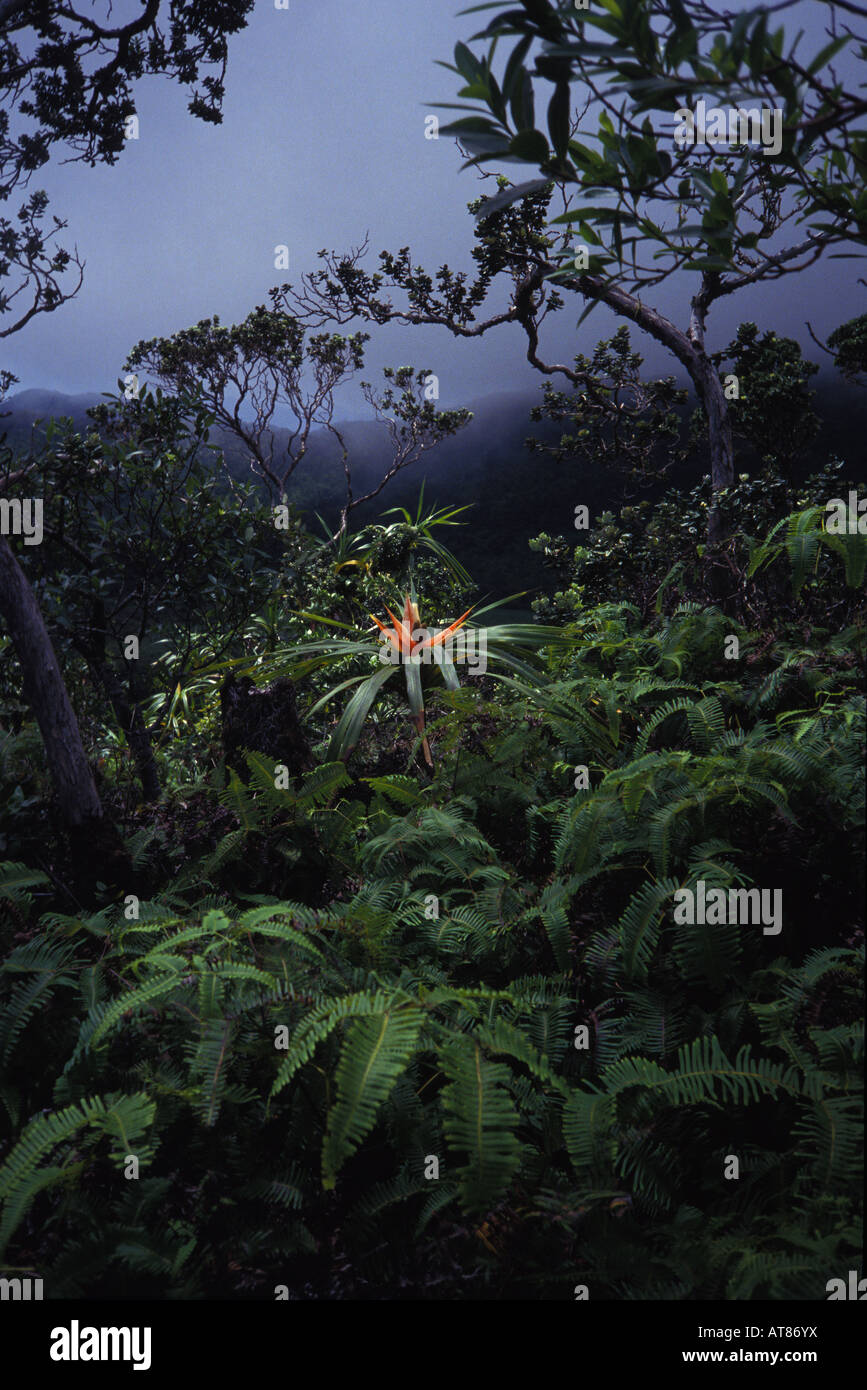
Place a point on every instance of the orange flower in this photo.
(400, 634)
(403, 628)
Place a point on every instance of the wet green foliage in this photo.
(375, 1031)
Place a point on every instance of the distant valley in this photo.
(513, 495)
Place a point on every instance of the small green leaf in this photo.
(530, 146)
(559, 118)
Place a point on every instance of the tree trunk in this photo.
(74, 787)
(689, 349)
(126, 708)
(135, 731)
(719, 430)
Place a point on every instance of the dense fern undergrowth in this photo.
(376, 1032)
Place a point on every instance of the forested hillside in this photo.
(485, 467)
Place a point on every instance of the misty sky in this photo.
(322, 142)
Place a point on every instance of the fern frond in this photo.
(130, 1002)
(681, 705)
(208, 1067)
(376, 1050)
(706, 723)
(587, 1120)
(367, 1212)
(322, 1020)
(480, 1119)
(17, 879)
(123, 1118)
(640, 924)
(508, 1040)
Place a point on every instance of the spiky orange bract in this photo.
(400, 634)
(446, 632)
(394, 639)
(403, 627)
